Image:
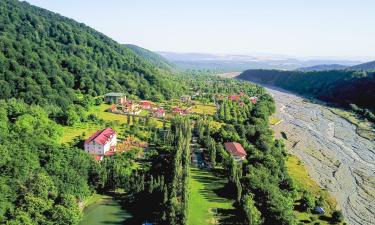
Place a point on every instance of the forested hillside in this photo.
(47, 59)
(369, 66)
(341, 87)
(323, 67)
(152, 57)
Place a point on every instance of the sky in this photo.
(304, 28)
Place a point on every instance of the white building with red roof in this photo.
(145, 104)
(236, 150)
(159, 113)
(102, 143)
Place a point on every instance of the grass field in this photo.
(209, 109)
(206, 205)
(300, 176)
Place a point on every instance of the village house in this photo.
(131, 107)
(101, 143)
(179, 111)
(235, 98)
(185, 98)
(253, 100)
(159, 113)
(145, 104)
(115, 97)
(236, 150)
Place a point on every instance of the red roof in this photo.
(101, 136)
(234, 97)
(145, 103)
(159, 111)
(235, 148)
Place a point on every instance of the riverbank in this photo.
(339, 159)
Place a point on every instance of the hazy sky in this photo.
(293, 27)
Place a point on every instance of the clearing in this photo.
(206, 204)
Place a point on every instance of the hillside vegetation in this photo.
(47, 59)
(340, 87)
(152, 57)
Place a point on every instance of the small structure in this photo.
(159, 113)
(145, 104)
(115, 97)
(185, 98)
(235, 98)
(319, 210)
(253, 99)
(177, 111)
(130, 107)
(101, 143)
(236, 150)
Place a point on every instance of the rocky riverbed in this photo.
(335, 155)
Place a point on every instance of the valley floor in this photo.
(339, 159)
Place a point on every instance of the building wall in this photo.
(98, 149)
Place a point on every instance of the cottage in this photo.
(102, 143)
(185, 98)
(131, 107)
(235, 98)
(145, 104)
(236, 150)
(253, 99)
(159, 113)
(115, 97)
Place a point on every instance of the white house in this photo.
(103, 142)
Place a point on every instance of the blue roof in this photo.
(319, 209)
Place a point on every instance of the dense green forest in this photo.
(52, 70)
(340, 87)
(48, 59)
(151, 57)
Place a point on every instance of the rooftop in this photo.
(115, 94)
(235, 149)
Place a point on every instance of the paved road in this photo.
(335, 155)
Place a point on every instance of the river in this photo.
(104, 212)
(335, 155)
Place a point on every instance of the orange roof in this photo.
(235, 148)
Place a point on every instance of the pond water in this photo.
(106, 211)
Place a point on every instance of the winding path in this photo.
(336, 156)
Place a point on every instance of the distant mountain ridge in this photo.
(323, 67)
(365, 66)
(241, 62)
(152, 57)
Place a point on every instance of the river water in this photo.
(107, 211)
(335, 155)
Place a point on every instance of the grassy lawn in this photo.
(205, 199)
(209, 109)
(100, 112)
(69, 133)
(300, 176)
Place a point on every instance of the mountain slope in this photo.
(46, 58)
(152, 57)
(323, 67)
(340, 87)
(369, 66)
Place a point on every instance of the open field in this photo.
(206, 205)
(208, 109)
